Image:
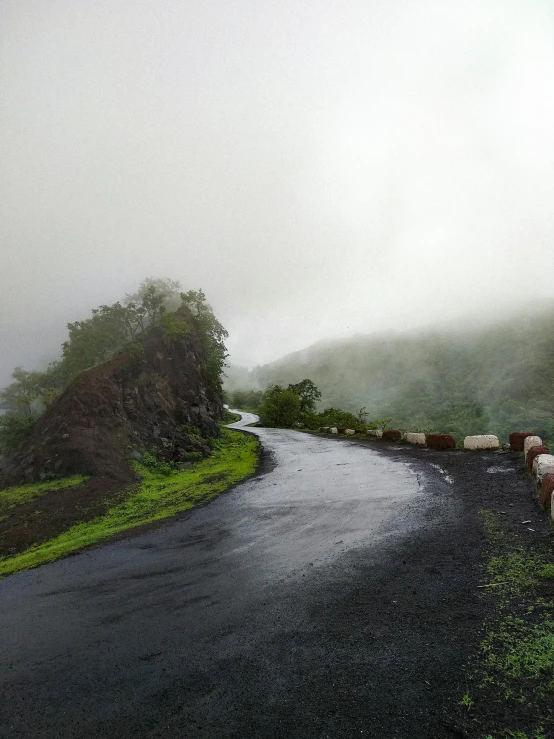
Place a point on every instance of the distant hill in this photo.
(490, 380)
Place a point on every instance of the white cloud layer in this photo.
(319, 167)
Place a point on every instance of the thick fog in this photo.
(319, 168)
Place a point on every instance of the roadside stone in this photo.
(483, 441)
(517, 438)
(530, 442)
(413, 438)
(543, 465)
(547, 487)
(440, 441)
(334, 430)
(535, 452)
(392, 435)
(349, 432)
(375, 432)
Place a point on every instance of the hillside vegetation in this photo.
(492, 380)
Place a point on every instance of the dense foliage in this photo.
(109, 330)
(246, 400)
(295, 405)
(494, 380)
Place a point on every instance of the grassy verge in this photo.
(510, 686)
(156, 497)
(229, 417)
(11, 497)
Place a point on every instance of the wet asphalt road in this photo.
(276, 611)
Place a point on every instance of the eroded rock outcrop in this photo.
(139, 400)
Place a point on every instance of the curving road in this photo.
(316, 599)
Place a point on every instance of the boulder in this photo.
(349, 432)
(484, 441)
(334, 430)
(440, 441)
(392, 435)
(547, 488)
(530, 442)
(536, 451)
(413, 438)
(543, 464)
(517, 438)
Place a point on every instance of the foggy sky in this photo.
(318, 167)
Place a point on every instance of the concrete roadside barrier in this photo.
(334, 430)
(547, 488)
(517, 438)
(530, 442)
(543, 464)
(484, 441)
(440, 441)
(535, 451)
(377, 433)
(391, 435)
(413, 438)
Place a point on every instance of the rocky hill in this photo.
(144, 398)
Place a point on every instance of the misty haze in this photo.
(300, 253)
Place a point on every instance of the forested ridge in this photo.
(492, 380)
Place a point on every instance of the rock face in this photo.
(139, 400)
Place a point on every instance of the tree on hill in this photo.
(212, 332)
(308, 394)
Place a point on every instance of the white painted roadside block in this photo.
(350, 432)
(375, 432)
(334, 430)
(529, 442)
(542, 465)
(413, 438)
(486, 441)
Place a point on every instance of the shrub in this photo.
(14, 430)
(280, 408)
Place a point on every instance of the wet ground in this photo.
(332, 595)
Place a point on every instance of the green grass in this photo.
(14, 496)
(156, 497)
(515, 662)
(229, 417)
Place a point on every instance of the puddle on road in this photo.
(449, 479)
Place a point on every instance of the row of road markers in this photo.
(540, 462)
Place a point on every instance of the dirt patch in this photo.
(44, 518)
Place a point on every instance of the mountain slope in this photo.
(492, 380)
